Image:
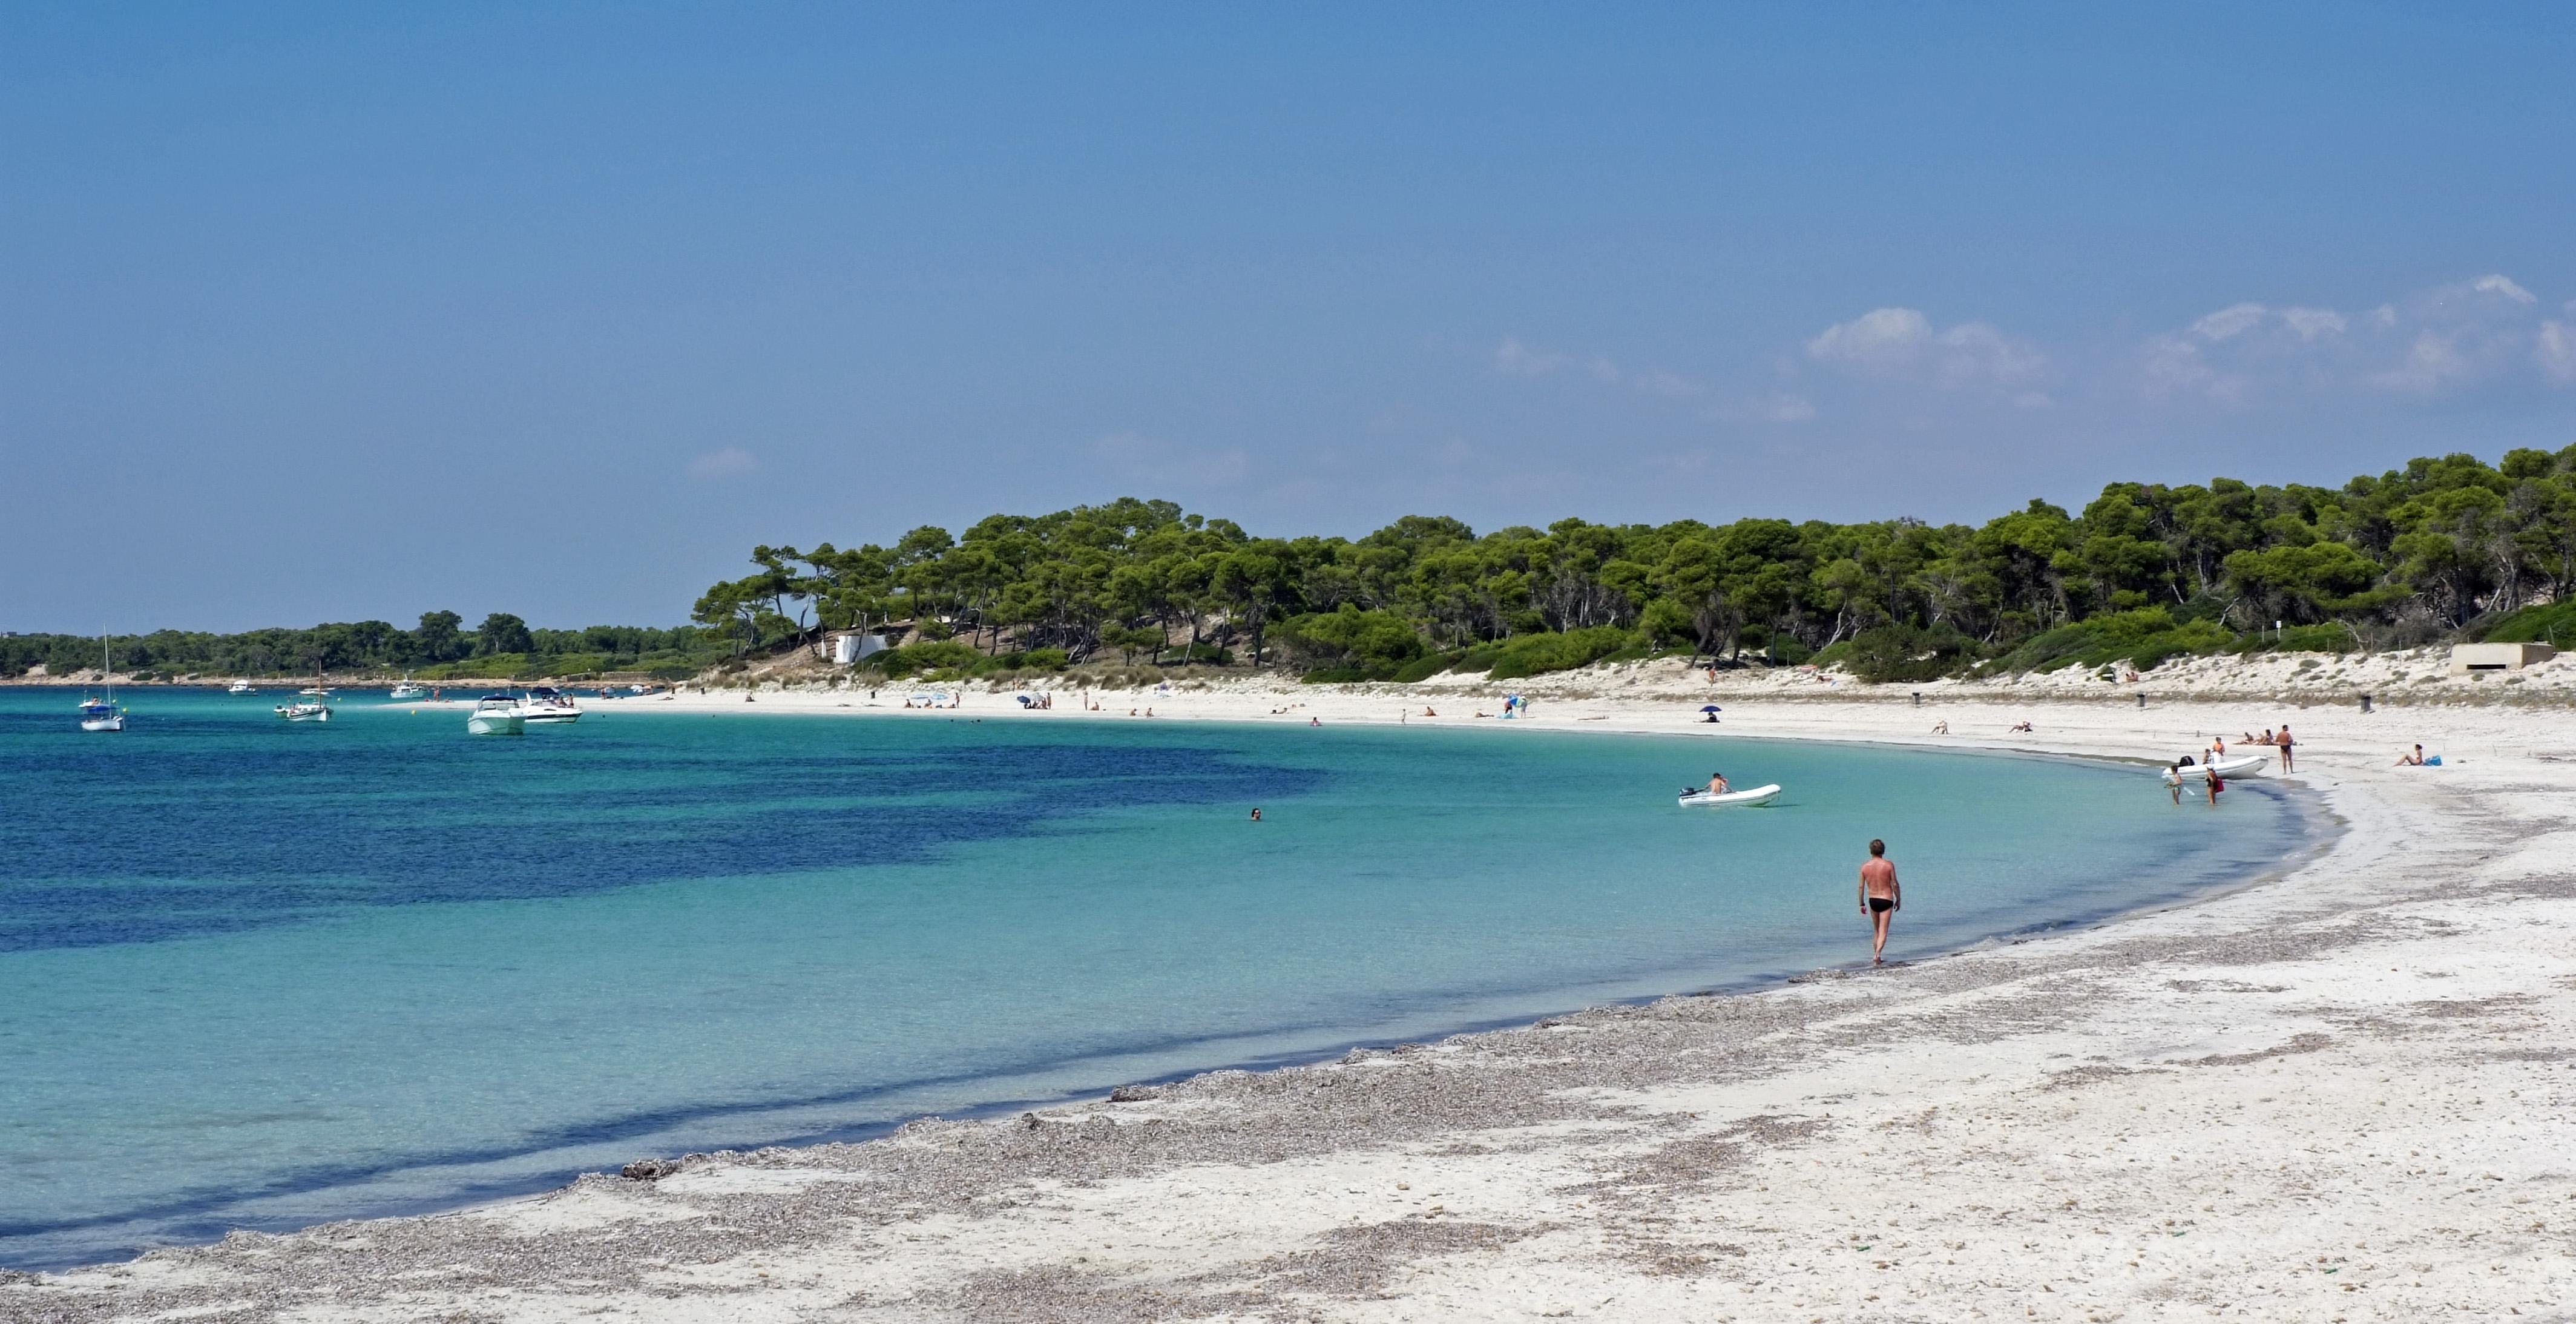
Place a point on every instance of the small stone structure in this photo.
(2468, 658)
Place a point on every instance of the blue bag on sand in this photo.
(2433, 760)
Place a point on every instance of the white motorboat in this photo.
(103, 714)
(410, 689)
(304, 710)
(546, 705)
(314, 692)
(241, 687)
(2232, 765)
(1758, 795)
(496, 715)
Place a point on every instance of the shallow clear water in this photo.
(255, 973)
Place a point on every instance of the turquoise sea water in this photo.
(255, 973)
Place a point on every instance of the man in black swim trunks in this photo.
(1879, 898)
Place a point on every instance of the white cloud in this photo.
(2230, 322)
(1520, 360)
(731, 462)
(2503, 285)
(2432, 361)
(2174, 365)
(2445, 338)
(1884, 338)
(2311, 323)
(2555, 348)
(1516, 359)
(1901, 344)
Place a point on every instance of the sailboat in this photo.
(309, 705)
(103, 714)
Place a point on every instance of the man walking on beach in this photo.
(1879, 899)
(2284, 742)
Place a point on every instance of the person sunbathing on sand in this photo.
(1426, 711)
(1879, 898)
(1942, 727)
(2018, 726)
(2414, 760)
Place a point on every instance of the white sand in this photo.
(2344, 1094)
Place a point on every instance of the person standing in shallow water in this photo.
(1879, 898)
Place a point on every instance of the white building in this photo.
(849, 646)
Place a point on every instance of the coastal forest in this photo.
(2442, 548)
(2144, 572)
(438, 648)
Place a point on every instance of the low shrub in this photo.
(2302, 639)
(1537, 654)
(1348, 638)
(1479, 658)
(933, 655)
(1892, 653)
(1035, 659)
(2146, 638)
(2553, 624)
(1425, 667)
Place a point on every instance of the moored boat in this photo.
(102, 714)
(304, 710)
(241, 687)
(496, 715)
(546, 705)
(410, 689)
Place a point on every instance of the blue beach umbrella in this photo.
(1711, 708)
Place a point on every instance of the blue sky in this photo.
(330, 311)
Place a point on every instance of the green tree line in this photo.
(439, 645)
(2440, 547)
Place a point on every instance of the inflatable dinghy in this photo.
(2234, 765)
(1759, 795)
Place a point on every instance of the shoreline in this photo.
(1414, 1256)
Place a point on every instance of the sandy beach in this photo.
(2344, 1092)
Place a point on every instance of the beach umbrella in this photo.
(1711, 708)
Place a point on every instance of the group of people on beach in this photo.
(2206, 766)
(2279, 740)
